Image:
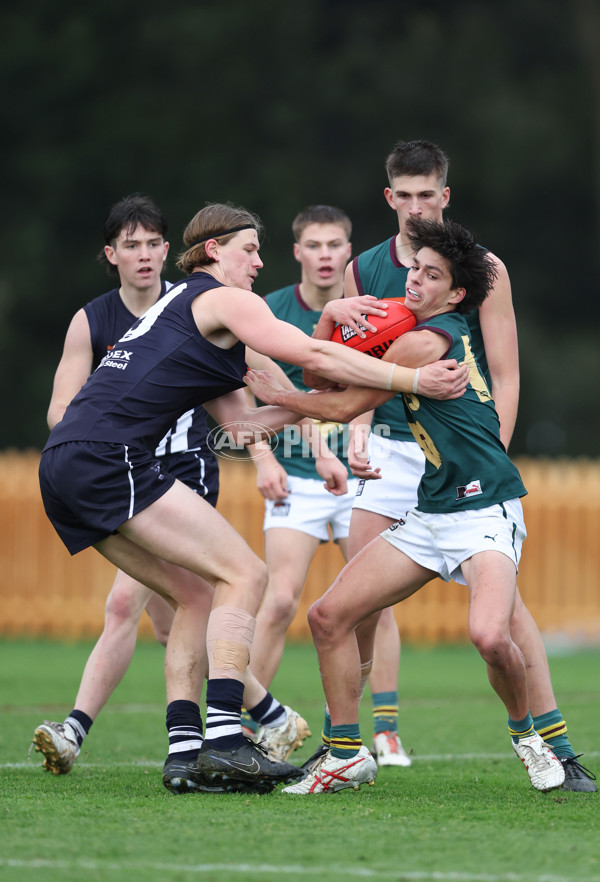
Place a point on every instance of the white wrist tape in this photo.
(389, 382)
(416, 381)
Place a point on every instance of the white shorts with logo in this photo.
(402, 465)
(310, 508)
(441, 542)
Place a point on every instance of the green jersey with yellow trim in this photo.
(379, 272)
(290, 450)
(466, 466)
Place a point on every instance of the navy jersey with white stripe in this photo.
(157, 370)
(109, 319)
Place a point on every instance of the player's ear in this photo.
(297, 252)
(211, 247)
(111, 255)
(445, 197)
(389, 197)
(458, 294)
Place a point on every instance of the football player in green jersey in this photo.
(417, 188)
(467, 526)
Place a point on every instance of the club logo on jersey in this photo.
(116, 358)
(473, 488)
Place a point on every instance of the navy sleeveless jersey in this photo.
(109, 318)
(157, 370)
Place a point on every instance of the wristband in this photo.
(416, 381)
(389, 382)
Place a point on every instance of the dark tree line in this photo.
(276, 105)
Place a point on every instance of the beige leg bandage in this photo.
(229, 636)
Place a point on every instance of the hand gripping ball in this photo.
(398, 321)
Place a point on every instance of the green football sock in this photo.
(553, 730)
(326, 733)
(345, 741)
(385, 711)
(520, 728)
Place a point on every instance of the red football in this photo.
(398, 321)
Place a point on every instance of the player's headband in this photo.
(224, 233)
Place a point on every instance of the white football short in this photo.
(441, 542)
(310, 508)
(402, 465)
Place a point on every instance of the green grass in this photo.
(463, 811)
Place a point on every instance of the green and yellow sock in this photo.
(345, 741)
(385, 711)
(248, 723)
(553, 730)
(326, 733)
(518, 729)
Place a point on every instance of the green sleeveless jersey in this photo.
(293, 454)
(466, 464)
(378, 272)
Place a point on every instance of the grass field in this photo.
(463, 811)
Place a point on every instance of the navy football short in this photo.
(200, 473)
(90, 488)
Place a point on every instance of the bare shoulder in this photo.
(499, 300)
(78, 333)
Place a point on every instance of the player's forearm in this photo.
(347, 367)
(340, 406)
(322, 331)
(506, 399)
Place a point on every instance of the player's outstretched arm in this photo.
(250, 320)
(445, 379)
(247, 424)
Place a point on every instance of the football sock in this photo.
(80, 724)
(553, 730)
(326, 733)
(518, 729)
(268, 712)
(248, 723)
(223, 713)
(345, 741)
(184, 725)
(385, 711)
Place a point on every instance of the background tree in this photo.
(277, 105)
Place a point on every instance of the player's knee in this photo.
(491, 643)
(321, 620)
(279, 608)
(121, 607)
(254, 579)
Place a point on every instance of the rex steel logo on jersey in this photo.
(116, 358)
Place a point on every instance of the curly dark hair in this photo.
(470, 265)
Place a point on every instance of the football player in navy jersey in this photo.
(103, 486)
(135, 251)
